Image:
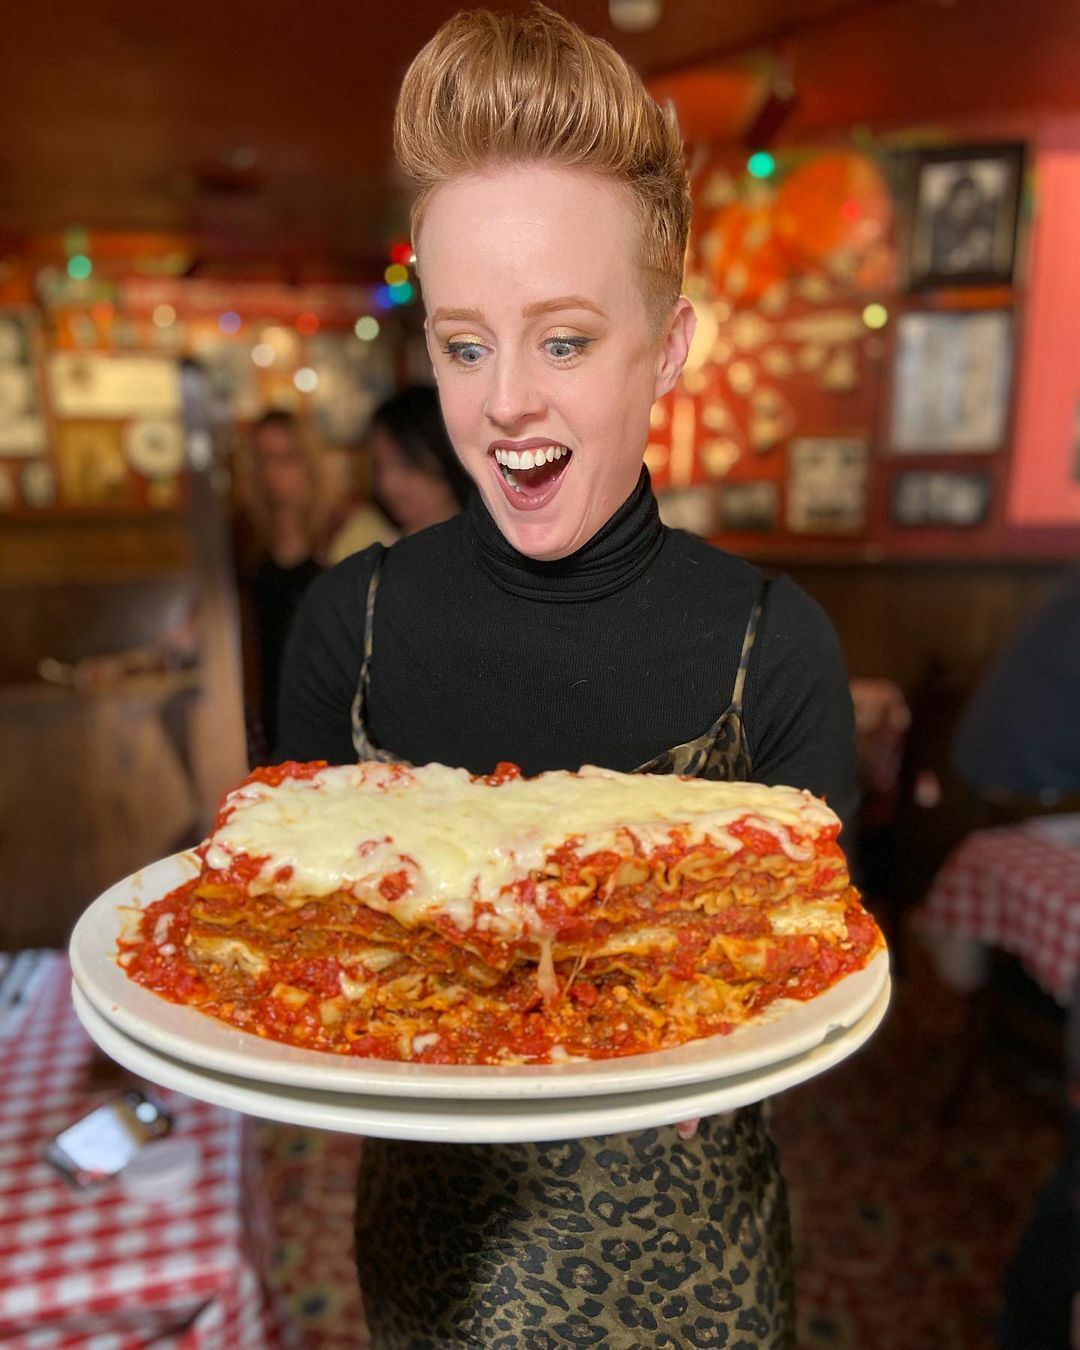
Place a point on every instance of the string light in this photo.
(402, 253)
(79, 267)
(282, 342)
(229, 322)
(305, 379)
(396, 275)
(383, 298)
(402, 293)
(164, 316)
(263, 355)
(875, 316)
(366, 328)
(761, 164)
(307, 324)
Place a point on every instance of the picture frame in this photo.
(22, 421)
(692, 509)
(951, 498)
(965, 216)
(828, 485)
(750, 506)
(951, 382)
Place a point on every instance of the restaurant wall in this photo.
(127, 394)
(1045, 488)
(853, 112)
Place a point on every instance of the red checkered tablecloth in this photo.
(1016, 888)
(94, 1268)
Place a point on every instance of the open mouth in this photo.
(531, 476)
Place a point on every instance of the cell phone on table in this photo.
(102, 1143)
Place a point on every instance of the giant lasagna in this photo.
(426, 914)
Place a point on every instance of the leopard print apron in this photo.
(628, 1242)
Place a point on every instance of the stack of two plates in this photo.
(177, 1047)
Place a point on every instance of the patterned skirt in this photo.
(625, 1242)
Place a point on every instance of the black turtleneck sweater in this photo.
(611, 656)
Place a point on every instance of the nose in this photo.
(514, 394)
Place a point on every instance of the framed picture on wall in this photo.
(827, 484)
(691, 508)
(951, 382)
(753, 506)
(964, 216)
(929, 497)
(22, 427)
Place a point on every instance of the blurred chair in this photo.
(914, 809)
(882, 719)
(882, 722)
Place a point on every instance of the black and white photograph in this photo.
(951, 382)
(827, 484)
(964, 219)
(22, 429)
(691, 508)
(926, 497)
(753, 506)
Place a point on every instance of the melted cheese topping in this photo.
(461, 842)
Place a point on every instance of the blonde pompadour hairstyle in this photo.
(492, 91)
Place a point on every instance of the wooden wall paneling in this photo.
(92, 790)
(895, 619)
(102, 550)
(72, 620)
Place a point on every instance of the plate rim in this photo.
(432, 1120)
(206, 1043)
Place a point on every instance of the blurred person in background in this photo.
(1020, 735)
(278, 557)
(417, 480)
(1018, 745)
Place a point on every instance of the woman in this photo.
(417, 480)
(556, 622)
(276, 557)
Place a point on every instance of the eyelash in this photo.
(578, 344)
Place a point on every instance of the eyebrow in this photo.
(529, 312)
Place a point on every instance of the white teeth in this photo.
(529, 459)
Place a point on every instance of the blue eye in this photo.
(464, 353)
(562, 348)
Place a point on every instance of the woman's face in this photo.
(546, 359)
(281, 464)
(414, 497)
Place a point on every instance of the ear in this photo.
(674, 346)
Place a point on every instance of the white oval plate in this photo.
(785, 1030)
(510, 1121)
